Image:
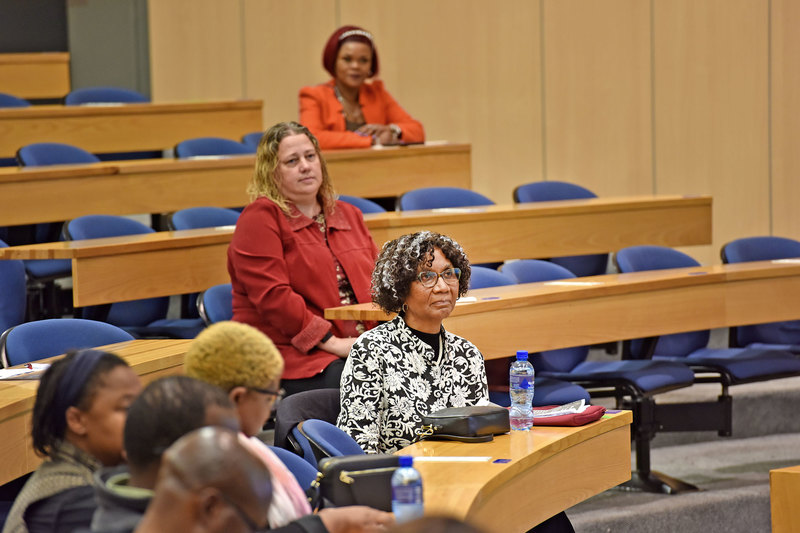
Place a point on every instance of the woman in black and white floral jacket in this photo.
(410, 366)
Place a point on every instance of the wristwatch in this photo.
(396, 130)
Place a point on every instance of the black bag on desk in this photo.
(478, 423)
(356, 480)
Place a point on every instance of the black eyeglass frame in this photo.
(456, 271)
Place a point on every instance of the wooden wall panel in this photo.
(785, 50)
(195, 49)
(469, 70)
(283, 44)
(711, 110)
(597, 94)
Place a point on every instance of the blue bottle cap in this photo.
(406, 460)
(522, 355)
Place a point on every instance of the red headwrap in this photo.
(342, 35)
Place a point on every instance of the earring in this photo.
(404, 308)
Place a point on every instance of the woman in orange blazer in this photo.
(349, 111)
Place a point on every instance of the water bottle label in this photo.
(407, 493)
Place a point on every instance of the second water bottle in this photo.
(520, 388)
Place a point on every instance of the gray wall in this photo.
(108, 44)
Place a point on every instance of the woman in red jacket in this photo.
(296, 251)
(349, 111)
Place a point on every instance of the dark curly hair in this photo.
(399, 261)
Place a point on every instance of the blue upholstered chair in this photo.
(215, 304)
(302, 471)
(9, 100)
(634, 384)
(365, 205)
(773, 335)
(36, 340)
(546, 191)
(323, 439)
(42, 273)
(547, 391)
(322, 404)
(482, 277)
(440, 197)
(12, 292)
(202, 217)
(104, 95)
(728, 366)
(143, 318)
(210, 146)
(252, 139)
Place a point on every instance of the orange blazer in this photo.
(321, 112)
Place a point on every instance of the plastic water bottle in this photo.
(520, 380)
(406, 491)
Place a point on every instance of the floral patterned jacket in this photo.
(392, 378)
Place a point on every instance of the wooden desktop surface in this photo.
(47, 194)
(599, 309)
(38, 75)
(784, 495)
(126, 128)
(150, 359)
(165, 263)
(551, 469)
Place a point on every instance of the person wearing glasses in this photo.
(411, 366)
(244, 362)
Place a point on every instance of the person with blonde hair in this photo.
(296, 251)
(246, 364)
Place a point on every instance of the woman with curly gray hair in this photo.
(410, 366)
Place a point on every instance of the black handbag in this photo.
(478, 423)
(355, 480)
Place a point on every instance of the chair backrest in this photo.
(322, 404)
(647, 257)
(365, 205)
(302, 471)
(545, 191)
(43, 154)
(252, 139)
(12, 292)
(439, 197)
(202, 217)
(45, 338)
(326, 440)
(104, 95)
(9, 100)
(760, 249)
(208, 146)
(215, 304)
(764, 248)
(482, 277)
(130, 313)
(532, 271)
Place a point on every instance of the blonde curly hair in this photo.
(231, 354)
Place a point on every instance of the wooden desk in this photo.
(551, 469)
(784, 494)
(165, 263)
(47, 194)
(552, 229)
(599, 309)
(126, 128)
(35, 75)
(150, 359)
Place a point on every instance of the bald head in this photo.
(209, 482)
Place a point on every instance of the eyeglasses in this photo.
(428, 278)
(251, 525)
(279, 394)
